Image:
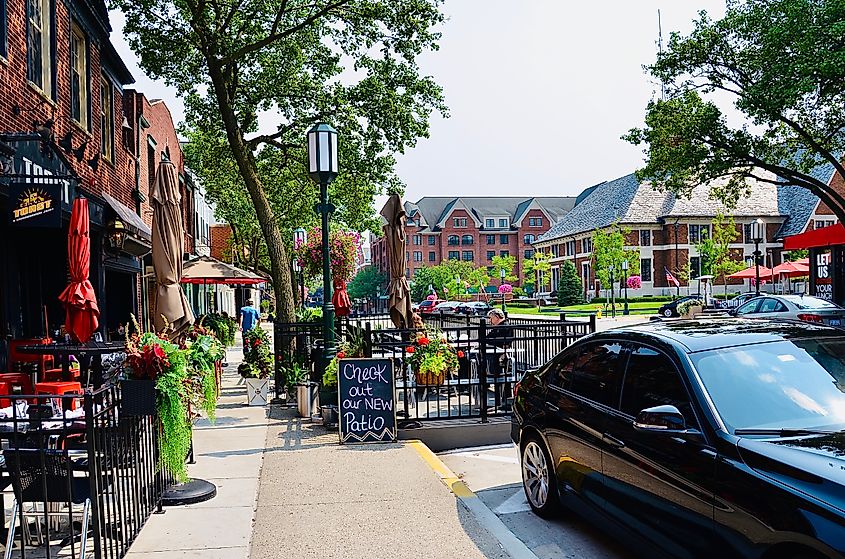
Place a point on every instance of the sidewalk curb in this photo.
(486, 517)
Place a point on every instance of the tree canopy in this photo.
(781, 63)
(257, 75)
(569, 288)
(368, 282)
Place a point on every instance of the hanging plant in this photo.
(203, 351)
(634, 282)
(343, 253)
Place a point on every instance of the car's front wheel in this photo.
(668, 313)
(538, 479)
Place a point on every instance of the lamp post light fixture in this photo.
(322, 167)
(116, 232)
(502, 275)
(300, 237)
(625, 270)
(758, 232)
(612, 293)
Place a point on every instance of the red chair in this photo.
(4, 391)
(18, 383)
(60, 389)
(46, 364)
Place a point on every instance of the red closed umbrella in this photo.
(83, 314)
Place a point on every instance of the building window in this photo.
(417, 256)
(39, 68)
(504, 253)
(453, 240)
(431, 240)
(459, 222)
(467, 240)
(78, 76)
(645, 269)
(820, 223)
(528, 239)
(410, 223)
(491, 254)
(503, 223)
(417, 240)
(570, 248)
(645, 237)
(746, 233)
(587, 244)
(694, 267)
(467, 255)
(491, 239)
(489, 223)
(503, 239)
(535, 222)
(555, 251)
(151, 163)
(698, 233)
(106, 119)
(407, 256)
(4, 37)
(454, 255)
(432, 256)
(529, 253)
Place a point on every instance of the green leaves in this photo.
(781, 63)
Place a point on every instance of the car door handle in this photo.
(552, 407)
(612, 440)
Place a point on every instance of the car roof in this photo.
(706, 334)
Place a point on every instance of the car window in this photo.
(652, 380)
(592, 371)
(749, 307)
(769, 305)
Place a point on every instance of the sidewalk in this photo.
(229, 455)
(318, 499)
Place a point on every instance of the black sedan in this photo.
(670, 309)
(694, 438)
(474, 308)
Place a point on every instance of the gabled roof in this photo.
(434, 209)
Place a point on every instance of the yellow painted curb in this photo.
(446, 475)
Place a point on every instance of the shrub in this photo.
(569, 288)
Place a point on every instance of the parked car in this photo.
(428, 306)
(474, 308)
(448, 308)
(670, 309)
(795, 307)
(694, 438)
(738, 301)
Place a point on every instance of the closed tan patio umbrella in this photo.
(171, 308)
(399, 292)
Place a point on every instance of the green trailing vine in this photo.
(176, 426)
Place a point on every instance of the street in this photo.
(493, 473)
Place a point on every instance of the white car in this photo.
(448, 308)
(795, 307)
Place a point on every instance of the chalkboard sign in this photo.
(367, 410)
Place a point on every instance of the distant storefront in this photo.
(827, 260)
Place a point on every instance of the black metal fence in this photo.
(491, 359)
(82, 475)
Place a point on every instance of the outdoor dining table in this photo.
(89, 355)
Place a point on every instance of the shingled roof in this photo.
(433, 209)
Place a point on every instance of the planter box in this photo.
(330, 416)
(256, 391)
(693, 311)
(138, 397)
(328, 397)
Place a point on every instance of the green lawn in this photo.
(634, 308)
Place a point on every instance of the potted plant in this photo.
(691, 308)
(203, 351)
(256, 366)
(432, 358)
(353, 347)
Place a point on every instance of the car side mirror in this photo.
(665, 420)
(732, 312)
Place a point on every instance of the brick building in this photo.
(69, 128)
(665, 228)
(472, 229)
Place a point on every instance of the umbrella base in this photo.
(194, 491)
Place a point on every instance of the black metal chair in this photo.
(46, 476)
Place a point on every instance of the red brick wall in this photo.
(838, 184)
(220, 236)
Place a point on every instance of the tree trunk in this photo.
(279, 264)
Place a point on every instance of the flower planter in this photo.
(330, 416)
(429, 378)
(138, 397)
(256, 391)
(693, 311)
(328, 397)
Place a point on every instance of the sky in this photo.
(539, 93)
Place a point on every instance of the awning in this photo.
(132, 220)
(208, 270)
(826, 236)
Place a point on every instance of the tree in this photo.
(609, 251)
(368, 282)
(506, 263)
(780, 62)
(295, 63)
(717, 259)
(536, 270)
(569, 288)
(797, 254)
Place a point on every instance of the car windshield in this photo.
(811, 303)
(796, 384)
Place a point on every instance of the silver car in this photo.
(448, 308)
(794, 307)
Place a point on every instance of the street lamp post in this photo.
(501, 283)
(612, 293)
(757, 234)
(322, 167)
(300, 237)
(625, 271)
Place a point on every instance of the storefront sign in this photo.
(823, 264)
(367, 409)
(35, 205)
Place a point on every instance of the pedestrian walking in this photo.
(249, 319)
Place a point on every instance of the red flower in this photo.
(410, 349)
(256, 343)
(423, 341)
(460, 354)
(158, 352)
(340, 355)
